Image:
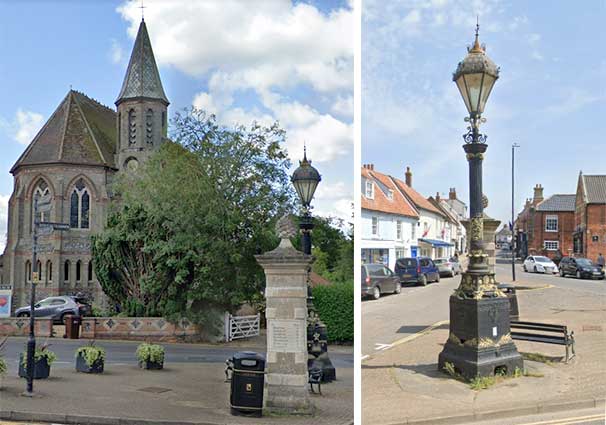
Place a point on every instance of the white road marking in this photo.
(566, 421)
(380, 347)
(364, 357)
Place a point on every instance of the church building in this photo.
(73, 159)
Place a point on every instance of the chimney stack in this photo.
(452, 194)
(370, 167)
(438, 196)
(408, 175)
(538, 194)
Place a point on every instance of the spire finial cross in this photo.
(142, 7)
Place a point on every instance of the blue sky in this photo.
(550, 97)
(291, 61)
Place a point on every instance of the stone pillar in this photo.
(286, 380)
(490, 228)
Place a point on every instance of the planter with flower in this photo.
(43, 359)
(90, 359)
(150, 356)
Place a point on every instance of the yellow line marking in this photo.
(566, 421)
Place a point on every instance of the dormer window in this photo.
(390, 194)
(370, 190)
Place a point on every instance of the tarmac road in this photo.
(395, 318)
(123, 352)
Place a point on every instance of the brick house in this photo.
(590, 216)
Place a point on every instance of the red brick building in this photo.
(590, 216)
(547, 225)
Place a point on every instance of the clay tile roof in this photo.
(80, 131)
(142, 77)
(558, 203)
(398, 205)
(417, 198)
(595, 188)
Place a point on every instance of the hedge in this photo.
(335, 306)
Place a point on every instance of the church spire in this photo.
(142, 78)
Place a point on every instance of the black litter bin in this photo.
(510, 291)
(72, 326)
(246, 397)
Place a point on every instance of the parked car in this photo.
(378, 279)
(582, 268)
(539, 264)
(446, 267)
(456, 264)
(419, 270)
(58, 308)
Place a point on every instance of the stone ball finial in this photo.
(285, 227)
(485, 201)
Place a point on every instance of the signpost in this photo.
(41, 205)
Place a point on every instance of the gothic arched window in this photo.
(28, 271)
(149, 127)
(41, 190)
(79, 216)
(78, 271)
(66, 266)
(132, 127)
(90, 271)
(49, 271)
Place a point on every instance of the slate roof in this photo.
(417, 198)
(595, 188)
(142, 77)
(558, 203)
(380, 202)
(80, 131)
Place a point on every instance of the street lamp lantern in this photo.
(479, 341)
(475, 76)
(306, 179)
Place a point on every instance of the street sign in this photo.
(35, 276)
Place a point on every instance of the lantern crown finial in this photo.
(477, 48)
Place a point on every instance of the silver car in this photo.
(58, 308)
(447, 267)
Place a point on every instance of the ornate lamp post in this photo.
(306, 179)
(479, 343)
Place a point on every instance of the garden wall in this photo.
(19, 326)
(154, 329)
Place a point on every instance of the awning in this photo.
(436, 242)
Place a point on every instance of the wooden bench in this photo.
(545, 333)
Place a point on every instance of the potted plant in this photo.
(90, 358)
(3, 365)
(150, 356)
(43, 359)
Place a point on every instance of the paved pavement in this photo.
(401, 383)
(582, 416)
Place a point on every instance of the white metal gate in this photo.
(237, 327)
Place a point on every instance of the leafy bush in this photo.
(3, 366)
(91, 354)
(150, 353)
(335, 306)
(40, 353)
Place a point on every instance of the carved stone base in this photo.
(480, 341)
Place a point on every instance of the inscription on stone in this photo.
(286, 336)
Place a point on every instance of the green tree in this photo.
(191, 219)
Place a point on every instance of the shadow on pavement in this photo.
(413, 329)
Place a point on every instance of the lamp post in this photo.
(306, 179)
(479, 342)
(513, 255)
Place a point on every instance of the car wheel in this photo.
(524, 267)
(376, 293)
(561, 273)
(438, 278)
(398, 288)
(535, 269)
(423, 280)
(579, 275)
(24, 314)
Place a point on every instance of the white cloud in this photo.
(3, 221)
(343, 106)
(26, 125)
(116, 53)
(274, 44)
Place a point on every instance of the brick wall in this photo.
(17, 326)
(139, 328)
(595, 235)
(538, 235)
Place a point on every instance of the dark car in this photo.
(419, 270)
(378, 279)
(58, 308)
(582, 268)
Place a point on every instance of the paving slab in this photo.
(402, 385)
(182, 393)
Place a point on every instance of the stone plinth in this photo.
(286, 272)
